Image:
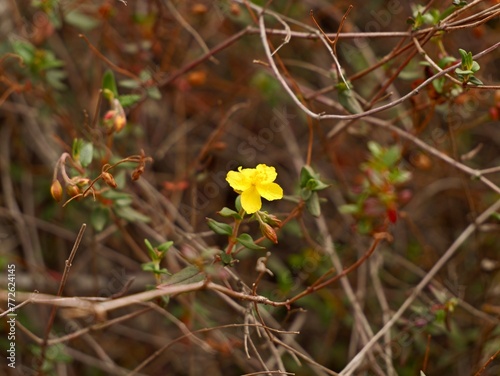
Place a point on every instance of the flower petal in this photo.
(238, 181)
(265, 174)
(270, 192)
(250, 200)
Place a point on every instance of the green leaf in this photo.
(153, 93)
(364, 227)
(349, 209)
(496, 216)
(86, 153)
(76, 148)
(109, 83)
(151, 250)
(474, 80)
(163, 247)
(440, 315)
(99, 217)
(316, 185)
(475, 66)
(81, 20)
(130, 214)
(152, 267)
(306, 173)
(391, 156)
(237, 203)
(463, 54)
(226, 212)
(129, 84)
(247, 241)
(375, 149)
(462, 71)
(25, 50)
(399, 176)
(120, 179)
(447, 12)
(190, 274)
(445, 61)
(348, 100)
(439, 84)
(313, 205)
(305, 193)
(225, 258)
(129, 99)
(219, 227)
(55, 77)
(119, 198)
(45, 60)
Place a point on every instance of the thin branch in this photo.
(221, 46)
(190, 30)
(351, 367)
(113, 66)
(68, 264)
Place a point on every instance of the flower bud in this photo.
(72, 190)
(199, 9)
(109, 179)
(120, 120)
(235, 9)
(56, 190)
(273, 220)
(197, 78)
(268, 232)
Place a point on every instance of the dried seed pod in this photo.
(136, 174)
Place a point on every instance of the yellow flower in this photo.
(254, 183)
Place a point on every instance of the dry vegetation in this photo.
(381, 120)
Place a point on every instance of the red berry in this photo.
(392, 214)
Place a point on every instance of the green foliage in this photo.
(190, 274)
(378, 190)
(109, 85)
(82, 152)
(310, 184)
(432, 16)
(226, 212)
(269, 88)
(247, 241)
(40, 65)
(156, 254)
(467, 68)
(81, 20)
(54, 354)
(219, 227)
(348, 99)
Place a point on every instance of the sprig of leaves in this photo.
(310, 184)
(467, 69)
(156, 254)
